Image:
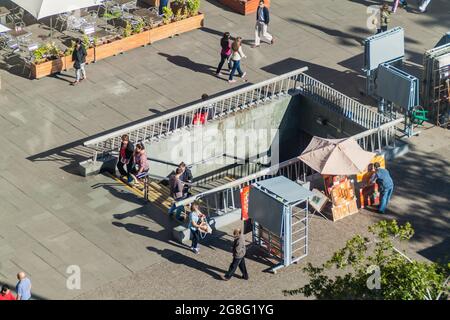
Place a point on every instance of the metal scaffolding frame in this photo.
(289, 243)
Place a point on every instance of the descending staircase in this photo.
(159, 194)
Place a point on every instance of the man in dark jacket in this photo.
(186, 177)
(262, 23)
(238, 256)
(79, 57)
(125, 157)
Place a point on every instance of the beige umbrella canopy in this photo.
(336, 156)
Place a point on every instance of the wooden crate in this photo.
(244, 7)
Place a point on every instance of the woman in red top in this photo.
(225, 53)
(125, 157)
(6, 293)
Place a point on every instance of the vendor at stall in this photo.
(385, 183)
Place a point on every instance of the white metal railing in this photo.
(295, 81)
(217, 107)
(340, 103)
(374, 140)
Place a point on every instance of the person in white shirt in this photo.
(423, 6)
(262, 23)
(236, 55)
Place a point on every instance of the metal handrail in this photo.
(226, 104)
(183, 118)
(387, 127)
(340, 103)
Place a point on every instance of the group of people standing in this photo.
(133, 164)
(231, 50)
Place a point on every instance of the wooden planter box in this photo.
(242, 6)
(177, 27)
(118, 46)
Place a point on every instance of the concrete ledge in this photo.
(89, 168)
(182, 234)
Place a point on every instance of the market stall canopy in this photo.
(336, 156)
(4, 28)
(45, 8)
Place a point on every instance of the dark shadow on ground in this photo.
(421, 181)
(178, 258)
(187, 63)
(345, 39)
(348, 82)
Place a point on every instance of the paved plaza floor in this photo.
(51, 218)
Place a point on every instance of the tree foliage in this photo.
(400, 278)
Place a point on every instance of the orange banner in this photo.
(244, 202)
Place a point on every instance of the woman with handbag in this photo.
(236, 56)
(79, 57)
(197, 224)
(125, 157)
(225, 53)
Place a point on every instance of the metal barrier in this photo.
(222, 198)
(340, 103)
(295, 81)
(183, 119)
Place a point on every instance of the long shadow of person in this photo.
(187, 63)
(178, 258)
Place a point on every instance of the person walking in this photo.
(196, 224)
(384, 18)
(79, 57)
(225, 52)
(262, 23)
(238, 256)
(423, 5)
(383, 178)
(236, 56)
(23, 287)
(6, 294)
(125, 157)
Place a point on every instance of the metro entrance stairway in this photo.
(159, 193)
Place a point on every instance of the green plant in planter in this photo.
(95, 41)
(70, 49)
(192, 7)
(40, 54)
(167, 15)
(86, 41)
(139, 27)
(53, 51)
(128, 30)
(112, 15)
(46, 52)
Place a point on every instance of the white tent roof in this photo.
(336, 156)
(3, 28)
(45, 8)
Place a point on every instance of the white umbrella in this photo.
(336, 156)
(45, 8)
(3, 28)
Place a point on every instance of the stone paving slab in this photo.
(51, 218)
